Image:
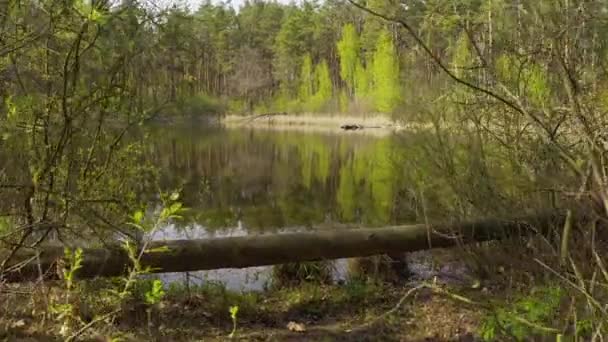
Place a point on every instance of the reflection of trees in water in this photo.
(274, 179)
(271, 179)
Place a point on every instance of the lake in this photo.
(240, 180)
(245, 180)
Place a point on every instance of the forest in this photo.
(171, 171)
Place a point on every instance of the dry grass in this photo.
(311, 119)
(375, 124)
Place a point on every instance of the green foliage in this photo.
(348, 51)
(307, 79)
(74, 263)
(362, 82)
(536, 82)
(507, 68)
(529, 77)
(584, 327)
(323, 88)
(195, 106)
(526, 317)
(236, 106)
(294, 40)
(373, 28)
(5, 225)
(64, 310)
(385, 66)
(155, 294)
(11, 108)
(462, 57)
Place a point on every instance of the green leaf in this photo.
(234, 310)
(156, 293)
(138, 216)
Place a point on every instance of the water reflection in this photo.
(269, 180)
(238, 181)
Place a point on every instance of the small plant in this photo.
(64, 311)
(156, 293)
(131, 287)
(152, 298)
(74, 261)
(526, 317)
(234, 310)
(171, 210)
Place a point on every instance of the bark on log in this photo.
(259, 250)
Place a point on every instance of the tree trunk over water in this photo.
(271, 249)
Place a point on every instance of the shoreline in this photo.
(311, 119)
(373, 123)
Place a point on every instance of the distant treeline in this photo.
(272, 57)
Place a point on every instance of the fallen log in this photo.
(259, 250)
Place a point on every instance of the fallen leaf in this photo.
(296, 327)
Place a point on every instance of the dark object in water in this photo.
(351, 127)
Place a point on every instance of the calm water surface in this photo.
(239, 181)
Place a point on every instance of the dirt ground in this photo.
(349, 311)
(310, 312)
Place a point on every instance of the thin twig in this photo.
(82, 330)
(393, 310)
